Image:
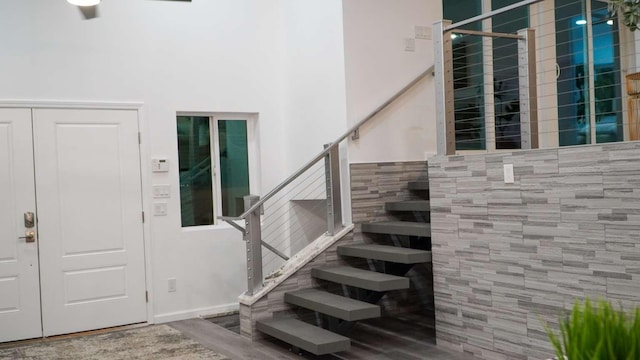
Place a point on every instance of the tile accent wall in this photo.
(507, 257)
(371, 186)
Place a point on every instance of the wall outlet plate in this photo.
(508, 174)
(409, 44)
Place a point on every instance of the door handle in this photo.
(29, 236)
(29, 220)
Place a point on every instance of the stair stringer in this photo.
(294, 275)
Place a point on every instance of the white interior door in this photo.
(89, 219)
(19, 275)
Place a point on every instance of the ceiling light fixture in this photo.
(610, 22)
(84, 2)
(581, 22)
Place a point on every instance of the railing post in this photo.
(443, 64)
(253, 239)
(528, 89)
(334, 198)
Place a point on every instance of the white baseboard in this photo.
(196, 313)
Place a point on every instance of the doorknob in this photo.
(29, 220)
(29, 236)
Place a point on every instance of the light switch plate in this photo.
(161, 191)
(160, 209)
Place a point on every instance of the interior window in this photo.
(211, 185)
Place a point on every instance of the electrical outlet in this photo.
(160, 209)
(171, 282)
(508, 174)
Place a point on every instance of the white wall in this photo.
(377, 66)
(314, 87)
(212, 56)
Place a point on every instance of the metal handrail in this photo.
(328, 148)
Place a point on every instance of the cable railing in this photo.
(299, 210)
(556, 76)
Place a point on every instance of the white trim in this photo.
(196, 313)
(147, 199)
(71, 104)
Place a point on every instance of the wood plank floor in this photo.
(399, 338)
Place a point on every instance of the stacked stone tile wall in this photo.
(508, 257)
(371, 186)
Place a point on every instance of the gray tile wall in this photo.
(508, 257)
(371, 186)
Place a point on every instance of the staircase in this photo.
(365, 287)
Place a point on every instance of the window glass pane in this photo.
(607, 79)
(234, 165)
(505, 74)
(468, 76)
(573, 82)
(194, 152)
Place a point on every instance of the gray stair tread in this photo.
(386, 253)
(331, 304)
(364, 279)
(410, 205)
(398, 228)
(311, 338)
(419, 185)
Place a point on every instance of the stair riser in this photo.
(375, 228)
(402, 259)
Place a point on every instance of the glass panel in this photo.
(572, 82)
(468, 77)
(194, 153)
(606, 62)
(234, 165)
(505, 74)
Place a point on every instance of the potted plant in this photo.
(629, 9)
(597, 332)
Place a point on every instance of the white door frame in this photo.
(145, 170)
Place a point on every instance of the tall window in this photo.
(589, 79)
(214, 167)
(468, 75)
(506, 80)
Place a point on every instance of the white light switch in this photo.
(508, 174)
(161, 191)
(160, 209)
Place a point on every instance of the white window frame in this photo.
(253, 151)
